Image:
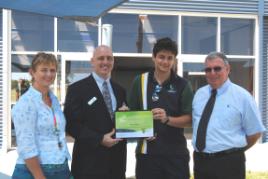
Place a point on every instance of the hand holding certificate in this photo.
(133, 124)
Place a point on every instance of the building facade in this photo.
(237, 28)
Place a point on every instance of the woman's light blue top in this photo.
(35, 131)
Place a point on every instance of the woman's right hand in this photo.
(33, 165)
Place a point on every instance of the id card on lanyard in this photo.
(56, 129)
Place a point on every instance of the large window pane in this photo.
(155, 27)
(242, 71)
(74, 36)
(237, 36)
(125, 31)
(76, 70)
(31, 32)
(198, 35)
(20, 65)
(137, 33)
(194, 72)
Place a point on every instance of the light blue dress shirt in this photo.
(34, 126)
(235, 115)
(99, 82)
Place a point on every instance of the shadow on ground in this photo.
(4, 176)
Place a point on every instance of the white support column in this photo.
(6, 97)
(218, 36)
(106, 34)
(179, 56)
(55, 52)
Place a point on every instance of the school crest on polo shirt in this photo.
(171, 89)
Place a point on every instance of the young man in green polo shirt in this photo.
(169, 97)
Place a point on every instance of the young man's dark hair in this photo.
(165, 44)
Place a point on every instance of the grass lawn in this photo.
(254, 175)
(257, 175)
(250, 175)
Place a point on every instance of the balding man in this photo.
(89, 109)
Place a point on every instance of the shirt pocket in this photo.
(230, 117)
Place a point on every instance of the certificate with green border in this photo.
(134, 124)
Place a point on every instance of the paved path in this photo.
(257, 159)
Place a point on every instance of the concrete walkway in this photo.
(257, 159)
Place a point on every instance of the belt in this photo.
(220, 153)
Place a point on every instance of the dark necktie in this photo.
(107, 98)
(202, 127)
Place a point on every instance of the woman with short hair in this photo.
(40, 126)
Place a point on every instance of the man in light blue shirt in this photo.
(233, 126)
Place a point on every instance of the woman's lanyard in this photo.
(56, 130)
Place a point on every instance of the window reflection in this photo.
(237, 36)
(74, 36)
(76, 70)
(155, 27)
(20, 77)
(31, 32)
(198, 35)
(125, 31)
(133, 33)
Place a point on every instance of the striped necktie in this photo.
(107, 98)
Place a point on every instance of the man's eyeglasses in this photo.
(215, 69)
(155, 96)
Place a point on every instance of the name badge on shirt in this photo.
(92, 100)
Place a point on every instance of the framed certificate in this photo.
(134, 124)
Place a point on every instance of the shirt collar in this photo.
(168, 81)
(37, 94)
(223, 87)
(99, 79)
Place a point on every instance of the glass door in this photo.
(242, 73)
(193, 70)
(74, 66)
(195, 74)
